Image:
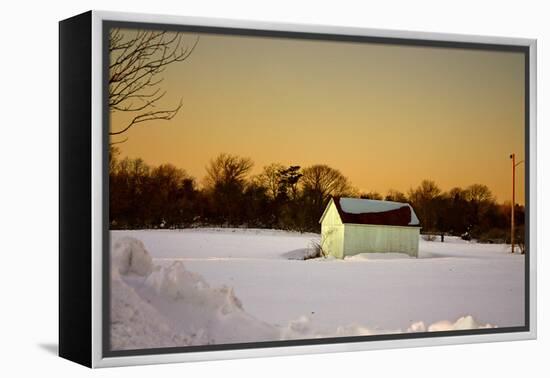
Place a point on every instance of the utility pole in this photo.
(512, 220)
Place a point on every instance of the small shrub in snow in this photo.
(466, 236)
(313, 251)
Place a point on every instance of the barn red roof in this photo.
(374, 212)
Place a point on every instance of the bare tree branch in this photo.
(137, 60)
(119, 142)
(149, 116)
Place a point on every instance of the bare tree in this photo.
(114, 153)
(424, 200)
(478, 193)
(227, 169)
(270, 178)
(396, 196)
(480, 199)
(225, 184)
(324, 181)
(136, 61)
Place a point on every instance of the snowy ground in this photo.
(205, 286)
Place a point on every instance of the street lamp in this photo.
(512, 221)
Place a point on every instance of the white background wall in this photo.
(28, 156)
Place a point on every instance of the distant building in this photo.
(351, 225)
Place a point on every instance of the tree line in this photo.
(282, 197)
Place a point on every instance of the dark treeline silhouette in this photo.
(284, 197)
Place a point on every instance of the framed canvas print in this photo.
(235, 189)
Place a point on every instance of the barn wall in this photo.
(360, 238)
(332, 240)
(332, 233)
(332, 217)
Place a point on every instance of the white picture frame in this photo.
(98, 356)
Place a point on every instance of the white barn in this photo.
(352, 225)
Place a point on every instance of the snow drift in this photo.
(159, 305)
(129, 256)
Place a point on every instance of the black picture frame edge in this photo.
(75, 189)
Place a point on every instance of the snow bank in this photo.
(167, 305)
(129, 256)
(465, 322)
(209, 315)
(135, 324)
(304, 327)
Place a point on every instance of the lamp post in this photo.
(512, 220)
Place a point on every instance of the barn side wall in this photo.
(359, 238)
(332, 233)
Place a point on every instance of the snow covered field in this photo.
(214, 286)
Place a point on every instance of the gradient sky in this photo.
(386, 116)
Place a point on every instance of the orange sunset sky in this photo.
(386, 116)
